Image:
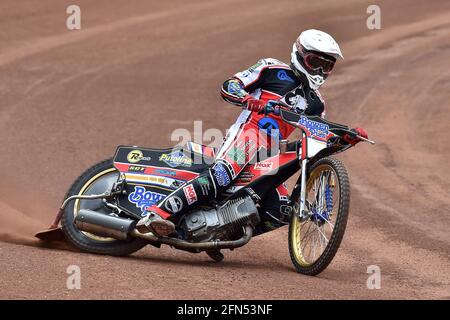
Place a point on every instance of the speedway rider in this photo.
(256, 89)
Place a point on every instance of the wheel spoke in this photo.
(321, 233)
(313, 240)
(307, 232)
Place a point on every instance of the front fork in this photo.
(302, 213)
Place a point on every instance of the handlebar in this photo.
(279, 104)
(365, 140)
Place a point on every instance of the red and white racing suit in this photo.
(268, 79)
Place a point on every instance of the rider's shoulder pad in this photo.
(272, 62)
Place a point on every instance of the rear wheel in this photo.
(314, 241)
(96, 180)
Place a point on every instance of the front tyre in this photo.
(313, 241)
(96, 180)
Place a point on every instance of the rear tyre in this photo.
(313, 242)
(97, 179)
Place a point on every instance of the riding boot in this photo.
(198, 191)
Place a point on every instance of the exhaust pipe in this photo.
(199, 246)
(104, 225)
(120, 229)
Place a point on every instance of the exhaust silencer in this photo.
(104, 225)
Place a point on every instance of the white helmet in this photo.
(314, 54)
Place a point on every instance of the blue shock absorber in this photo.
(324, 215)
(329, 198)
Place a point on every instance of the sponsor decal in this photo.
(240, 153)
(221, 175)
(296, 98)
(235, 87)
(263, 166)
(150, 179)
(283, 76)
(255, 66)
(144, 199)
(166, 172)
(136, 156)
(158, 180)
(204, 185)
(189, 192)
(317, 129)
(176, 158)
(136, 169)
(174, 204)
(270, 126)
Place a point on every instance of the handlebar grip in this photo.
(271, 107)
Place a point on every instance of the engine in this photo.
(225, 222)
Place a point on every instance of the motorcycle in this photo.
(101, 208)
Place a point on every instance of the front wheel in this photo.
(96, 180)
(314, 240)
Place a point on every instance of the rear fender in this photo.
(152, 174)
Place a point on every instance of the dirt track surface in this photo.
(140, 69)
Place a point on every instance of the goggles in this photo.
(316, 62)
